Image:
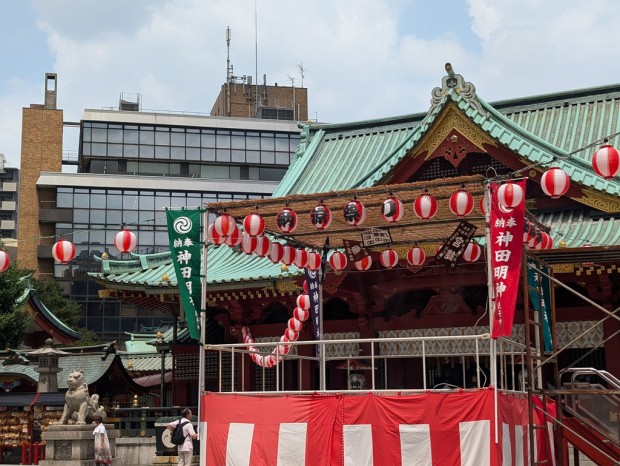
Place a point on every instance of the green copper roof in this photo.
(225, 265)
(539, 129)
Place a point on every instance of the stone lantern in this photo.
(47, 366)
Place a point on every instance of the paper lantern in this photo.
(225, 225)
(388, 258)
(392, 209)
(529, 231)
(416, 256)
(555, 182)
(546, 241)
(510, 195)
(288, 255)
(249, 243)
(461, 203)
(301, 258)
(253, 225)
(363, 264)
(286, 220)
(535, 239)
(301, 314)
(338, 261)
(472, 252)
(314, 261)
(294, 324)
(5, 261)
(306, 287)
(235, 238)
(321, 216)
(303, 301)
(354, 213)
(482, 207)
(276, 253)
(125, 241)
(606, 162)
(425, 207)
(263, 246)
(213, 236)
(63, 251)
(292, 335)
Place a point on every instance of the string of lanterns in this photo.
(554, 182)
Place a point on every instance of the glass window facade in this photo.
(176, 151)
(150, 150)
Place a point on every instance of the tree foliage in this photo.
(13, 318)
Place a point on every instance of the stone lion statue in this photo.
(80, 407)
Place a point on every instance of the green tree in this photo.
(13, 318)
(68, 311)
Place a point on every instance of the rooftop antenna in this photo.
(256, 56)
(229, 71)
(302, 70)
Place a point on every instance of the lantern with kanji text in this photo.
(392, 209)
(354, 213)
(286, 220)
(321, 216)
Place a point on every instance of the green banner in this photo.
(545, 287)
(185, 249)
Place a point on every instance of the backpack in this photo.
(177, 436)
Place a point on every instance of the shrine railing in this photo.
(436, 362)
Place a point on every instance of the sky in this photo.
(362, 59)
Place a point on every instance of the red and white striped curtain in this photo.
(432, 429)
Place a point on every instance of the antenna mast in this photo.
(229, 71)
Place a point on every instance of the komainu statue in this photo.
(80, 407)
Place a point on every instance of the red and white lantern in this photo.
(536, 239)
(529, 232)
(472, 252)
(125, 241)
(294, 324)
(416, 256)
(354, 213)
(510, 195)
(286, 220)
(263, 246)
(321, 216)
(292, 335)
(303, 301)
(288, 255)
(461, 203)
(388, 258)
(301, 314)
(546, 241)
(213, 236)
(392, 209)
(63, 251)
(276, 253)
(606, 162)
(363, 264)
(253, 225)
(249, 243)
(314, 261)
(338, 261)
(301, 258)
(482, 206)
(5, 261)
(555, 182)
(425, 207)
(225, 225)
(235, 238)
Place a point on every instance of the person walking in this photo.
(103, 453)
(185, 451)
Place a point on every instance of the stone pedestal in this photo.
(74, 445)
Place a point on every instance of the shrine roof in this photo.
(540, 129)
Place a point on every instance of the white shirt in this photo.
(100, 429)
(188, 433)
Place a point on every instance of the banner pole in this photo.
(203, 314)
(491, 303)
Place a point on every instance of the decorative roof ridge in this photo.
(452, 84)
(49, 315)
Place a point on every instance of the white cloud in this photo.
(363, 58)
